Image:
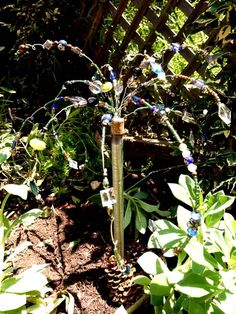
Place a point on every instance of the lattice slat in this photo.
(159, 25)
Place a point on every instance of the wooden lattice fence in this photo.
(158, 25)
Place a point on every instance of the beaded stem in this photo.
(195, 219)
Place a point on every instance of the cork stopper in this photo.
(118, 126)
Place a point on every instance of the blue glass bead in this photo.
(154, 108)
(189, 160)
(13, 145)
(160, 107)
(195, 216)
(112, 75)
(156, 68)
(192, 232)
(62, 42)
(106, 118)
(61, 98)
(127, 270)
(54, 106)
(137, 100)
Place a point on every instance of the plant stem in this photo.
(58, 113)
(157, 310)
(137, 304)
(2, 238)
(173, 131)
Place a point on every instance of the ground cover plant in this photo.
(45, 153)
(202, 278)
(27, 291)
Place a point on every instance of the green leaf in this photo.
(153, 208)
(70, 303)
(141, 195)
(226, 301)
(188, 184)
(159, 285)
(25, 283)
(152, 264)
(20, 248)
(156, 300)
(174, 276)
(233, 257)
(213, 276)
(8, 90)
(28, 281)
(68, 111)
(218, 202)
(195, 307)
(194, 286)
(96, 198)
(183, 216)
(25, 219)
(181, 194)
(11, 301)
(217, 238)
(140, 221)
(128, 214)
(147, 207)
(20, 310)
(3, 157)
(75, 199)
(216, 205)
(178, 306)
(142, 280)
(45, 305)
(167, 235)
(28, 218)
(74, 243)
(228, 279)
(212, 220)
(153, 242)
(230, 225)
(17, 189)
(199, 254)
(215, 309)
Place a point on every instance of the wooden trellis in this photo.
(158, 24)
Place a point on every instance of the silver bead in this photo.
(48, 44)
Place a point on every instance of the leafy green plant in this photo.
(28, 291)
(137, 208)
(200, 277)
(5, 99)
(53, 151)
(6, 139)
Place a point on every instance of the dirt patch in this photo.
(79, 268)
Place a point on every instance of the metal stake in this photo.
(117, 131)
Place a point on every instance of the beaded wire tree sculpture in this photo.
(112, 91)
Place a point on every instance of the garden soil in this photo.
(75, 241)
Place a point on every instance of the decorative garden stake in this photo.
(109, 93)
